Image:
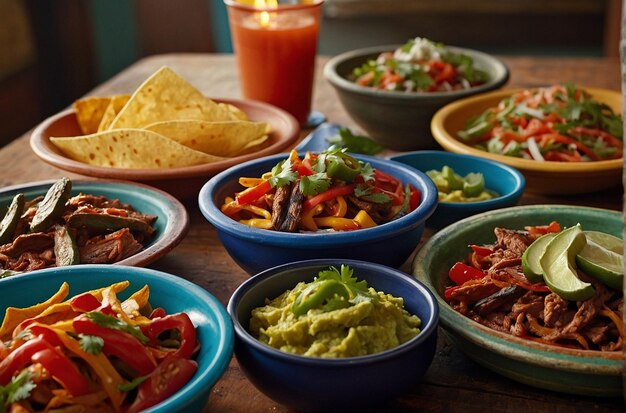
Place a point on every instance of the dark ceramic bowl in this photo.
(214, 328)
(399, 120)
(333, 385)
(505, 180)
(536, 364)
(257, 249)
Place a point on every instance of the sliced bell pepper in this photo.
(178, 321)
(414, 198)
(250, 195)
(85, 302)
(331, 193)
(316, 294)
(62, 369)
(20, 358)
(461, 273)
(343, 167)
(544, 229)
(119, 344)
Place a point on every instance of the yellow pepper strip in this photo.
(293, 157)
(306, 220)
(341, 208)
(88, 401)
(110, 379)
(249, 182)
(109, 297)
(14, 316)
(258, 223)
(136, 301)
(267, 175)
(258, 211)
(364, 220)
(338, 224)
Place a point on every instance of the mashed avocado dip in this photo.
(334, 316)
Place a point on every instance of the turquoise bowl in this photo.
(213, 325)
(505, 180)
(172, 222)
(547, 367)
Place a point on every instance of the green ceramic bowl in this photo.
(540, 365)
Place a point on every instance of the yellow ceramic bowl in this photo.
(541, 177)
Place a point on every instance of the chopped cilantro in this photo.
(366, 193)
(108, 321)
(91, 344)
(367, 172)
(18, 389)
(314, 184)
(131, 385)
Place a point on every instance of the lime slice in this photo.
(558, 263)
(454, 181)
(473, 184)
(530, 259)
(602, 259)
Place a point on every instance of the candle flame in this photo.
(264, 17)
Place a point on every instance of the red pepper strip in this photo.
(544, 229)
(482, 250)
(178, 321)
(607, 137)
(447, 294)
(62, 369)
(119, 344)
(461, 273)
(332, 193)
(157, 313)
(252, 194)
(562, 156)
(39, 330)
(169, 377)
(85, 302)
(414, 198)
(20, 358)
(555, 137)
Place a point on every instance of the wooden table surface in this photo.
(453, 383)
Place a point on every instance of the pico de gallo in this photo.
(420, 66)
(561, 123)
(327, 191)
(93, 353)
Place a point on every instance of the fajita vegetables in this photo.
(420, 66)
(562, 123)
(93, 353)
(330, 191)
(59, 229)
(556, 286)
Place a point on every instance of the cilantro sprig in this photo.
(18, 388)
(108, 321)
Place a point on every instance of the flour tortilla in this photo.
(229, 138)
(167, 96)
(131, 148)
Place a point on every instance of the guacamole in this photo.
(359, 322)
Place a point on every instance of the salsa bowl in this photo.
(400, 120)
(214, 329)
(541, 177)
(171, 225)
(182, 182)
(256, 249)
(322, 384)
(582, 372)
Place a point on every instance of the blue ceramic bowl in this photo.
(172, 222)
(501, 178)
(257, 249)
(318, 384)
(545, 366)
(174, 294)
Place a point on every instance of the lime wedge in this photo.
(558, 263)
(530, 259)
(455, 181)
(602, 259)
(473, 184)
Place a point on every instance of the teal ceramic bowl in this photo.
(505, 180)
(172, 222)
(214, 328)
(547, 367)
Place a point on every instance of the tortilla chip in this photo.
(239, 114)
(89, 112)
(130, 148)
(115, 105)
(215, 138)
(14, 316)
(167, 96)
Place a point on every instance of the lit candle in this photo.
(276, 48)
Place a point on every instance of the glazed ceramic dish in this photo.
(256, 249)
(213, 326)
(184, 182)
(170, 227)
(506, 181)
(536, 364)
(541, 177)
(322, 384)
(399, 120)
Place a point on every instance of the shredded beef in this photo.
(110, 248)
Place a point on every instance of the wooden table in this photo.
(453, 382)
